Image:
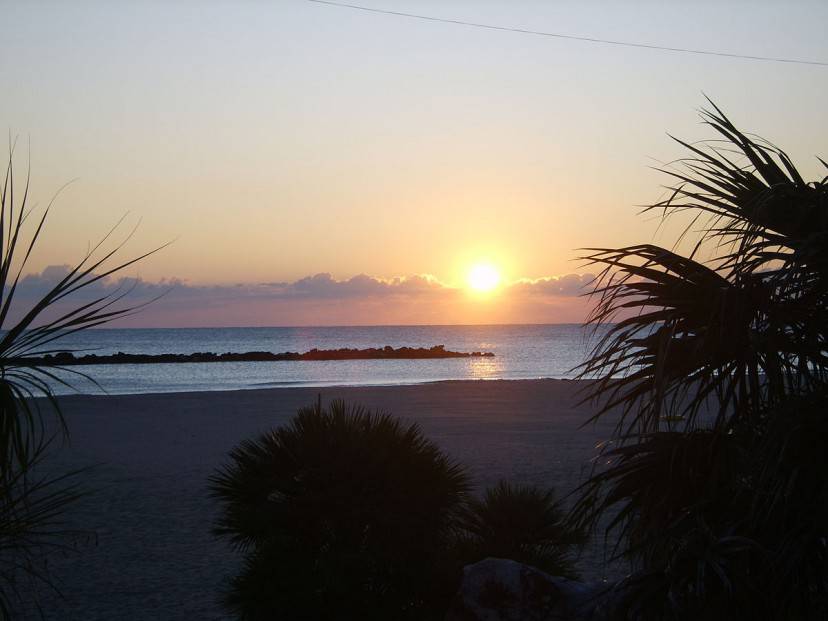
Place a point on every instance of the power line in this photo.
(540, 33)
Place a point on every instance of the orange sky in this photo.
(277, 142)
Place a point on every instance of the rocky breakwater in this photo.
(371, 353)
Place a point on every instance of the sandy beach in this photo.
(154, 557)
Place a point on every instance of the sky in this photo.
(320, 165)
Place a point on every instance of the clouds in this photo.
(325, 286)
(32, 287)
(321, 299)
(571, 284)
(321, 286)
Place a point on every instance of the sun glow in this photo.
(483, 278)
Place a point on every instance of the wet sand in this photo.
(154, 556)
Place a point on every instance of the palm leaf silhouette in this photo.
(716, 370)
(30, 504)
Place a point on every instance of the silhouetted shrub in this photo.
(342, 513)
(716, 487)
(522, 523)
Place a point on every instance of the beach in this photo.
(153, 555)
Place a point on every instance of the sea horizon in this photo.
(521, 351)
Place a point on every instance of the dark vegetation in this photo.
(371, 353)
(522, 523)
(347, 513)
(716, 486)
(31, 502)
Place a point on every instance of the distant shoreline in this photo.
(519, 353)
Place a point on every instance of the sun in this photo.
(483, 278)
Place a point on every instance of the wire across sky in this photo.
(633, 44)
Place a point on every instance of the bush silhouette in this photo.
(342, 513)
(522, 523)
(716, 485)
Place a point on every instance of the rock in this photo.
(371, 353)
(502, 590)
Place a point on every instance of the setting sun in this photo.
(483, 277)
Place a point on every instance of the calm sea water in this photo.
(521, 352)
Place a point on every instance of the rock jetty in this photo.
(372, 353)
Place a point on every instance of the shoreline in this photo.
(310, 385)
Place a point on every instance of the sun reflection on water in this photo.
(485, 368)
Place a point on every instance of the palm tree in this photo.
(716, 373)
(342, 513)
(522, 523)
(30, 503)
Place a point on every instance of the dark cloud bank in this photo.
(322, 299)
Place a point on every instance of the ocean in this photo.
(521, 352)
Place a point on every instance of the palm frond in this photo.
(30, 504)
(657, 489)
(678, 337)
(522, 523)
(714, 484)
(359, 506)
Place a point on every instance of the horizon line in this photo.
(366, 325)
